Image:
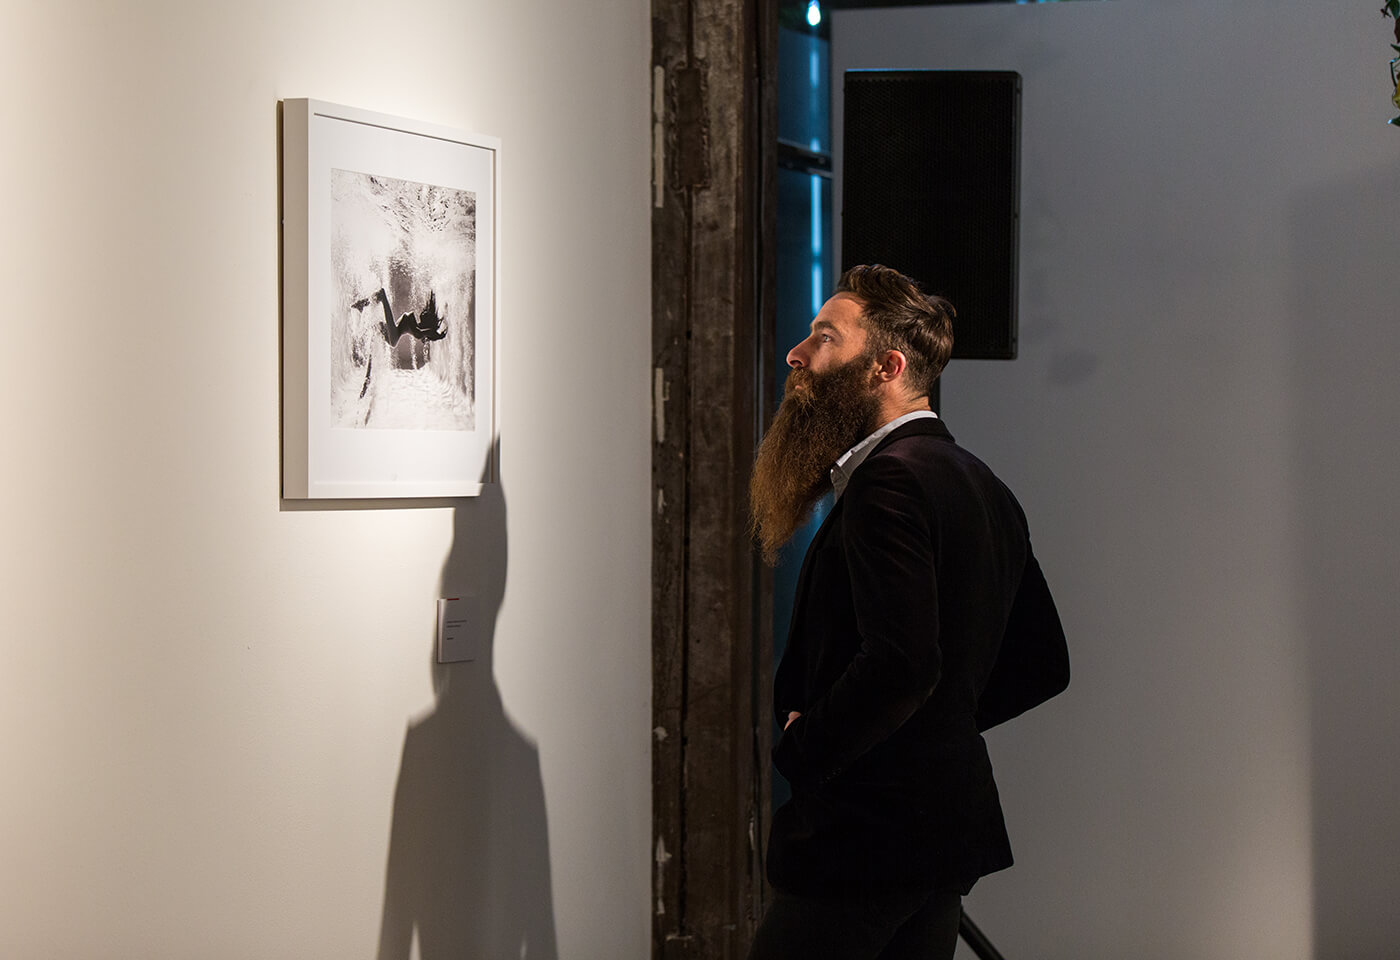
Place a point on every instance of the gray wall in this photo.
(214, 711)
(1202, 426)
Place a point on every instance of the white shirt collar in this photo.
(854, 457)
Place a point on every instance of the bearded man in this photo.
(921, 618)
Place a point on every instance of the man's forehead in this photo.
(841, 313)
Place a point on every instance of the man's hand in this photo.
(792, 715)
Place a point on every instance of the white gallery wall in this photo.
(1204, 427)
(215, 709)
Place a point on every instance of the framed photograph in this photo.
(389, 274)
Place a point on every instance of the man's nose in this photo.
(795, 359)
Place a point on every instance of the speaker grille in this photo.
(931, 187)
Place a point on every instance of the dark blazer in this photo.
(921, 618)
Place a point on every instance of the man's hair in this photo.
(897, 315)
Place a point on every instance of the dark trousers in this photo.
(902, 926)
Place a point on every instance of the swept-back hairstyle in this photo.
(897, 315)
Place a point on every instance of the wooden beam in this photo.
(712, 67)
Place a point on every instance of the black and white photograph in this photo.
(390, 319)
(403, 258)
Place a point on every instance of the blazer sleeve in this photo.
(1033, 663)
(888, 542)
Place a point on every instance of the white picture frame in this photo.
(390, 306)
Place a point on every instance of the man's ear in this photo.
(891, 366)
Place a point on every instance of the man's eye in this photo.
(826, 337)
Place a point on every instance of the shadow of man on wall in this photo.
(468, 866)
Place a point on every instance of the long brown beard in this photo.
(821, 417)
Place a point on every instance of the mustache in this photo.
(798, 378)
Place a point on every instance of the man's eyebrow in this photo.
(824, 325)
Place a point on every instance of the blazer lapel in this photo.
(930, 426)
(804, 575)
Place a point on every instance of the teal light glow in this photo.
(818, 286)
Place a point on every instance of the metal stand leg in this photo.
(977, 940)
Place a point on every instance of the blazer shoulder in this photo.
(937, 461)
(928, 427)
(925, 449)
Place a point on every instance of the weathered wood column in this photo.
(712, 269)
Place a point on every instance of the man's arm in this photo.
(889, 552)
(1033, 663)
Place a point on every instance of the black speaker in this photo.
(931, 187)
